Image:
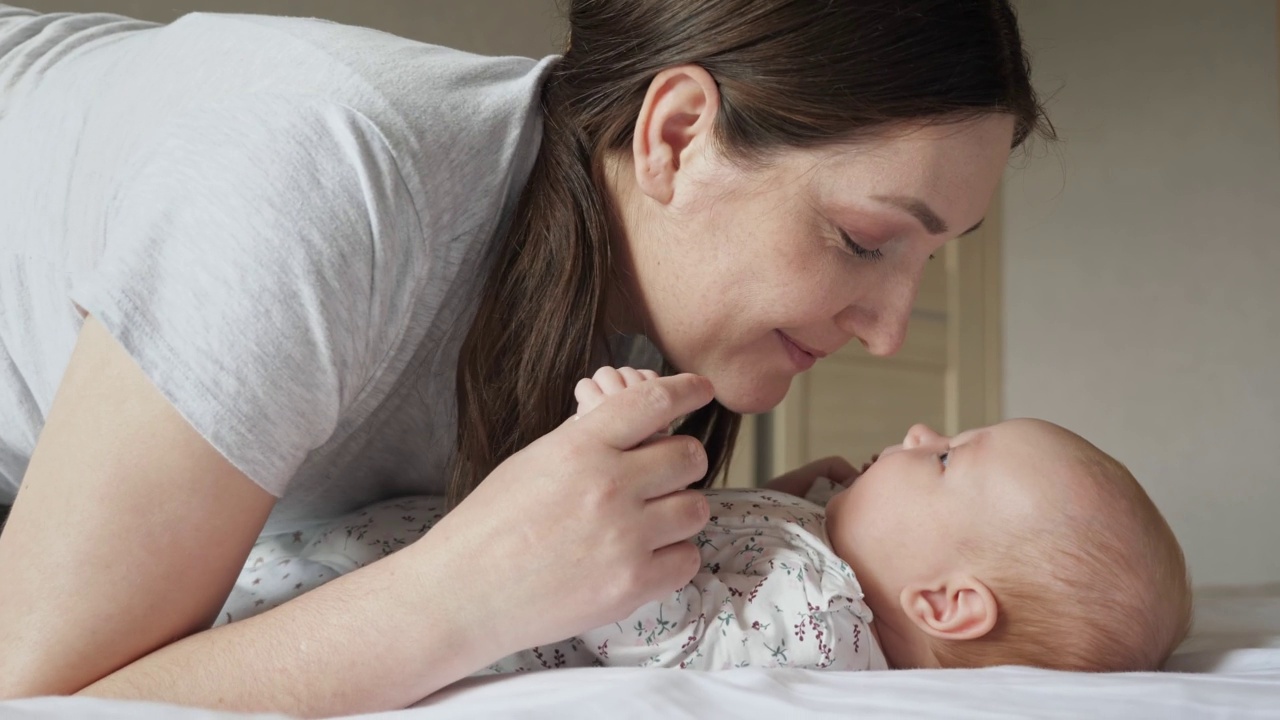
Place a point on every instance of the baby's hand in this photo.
(592, 391)
(800, 481)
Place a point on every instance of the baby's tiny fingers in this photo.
(630, 376)
(648, 374)
(610, 380)
(588, 394)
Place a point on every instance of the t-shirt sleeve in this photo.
(257, 262)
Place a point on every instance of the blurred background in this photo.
(1126, 284)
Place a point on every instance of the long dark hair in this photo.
(792, 74)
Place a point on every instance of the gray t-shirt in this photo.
(283, 221)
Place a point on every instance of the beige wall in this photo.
(1142, 260)
(532, 28)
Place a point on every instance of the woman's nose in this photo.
(921, 435)
(881, 336)
(880, 320)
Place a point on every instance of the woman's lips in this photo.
(802, 358)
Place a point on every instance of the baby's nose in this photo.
(921, 434)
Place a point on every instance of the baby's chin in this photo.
(835, 513)
(831, 505)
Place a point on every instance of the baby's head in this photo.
(1015, 544)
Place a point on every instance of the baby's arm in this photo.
(798, 481)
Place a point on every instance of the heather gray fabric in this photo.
(282, 220)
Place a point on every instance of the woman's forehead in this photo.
(952, 171)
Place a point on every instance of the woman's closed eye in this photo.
(858, 250)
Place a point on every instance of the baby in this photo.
(1015, 544)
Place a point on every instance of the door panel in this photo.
(863, 406)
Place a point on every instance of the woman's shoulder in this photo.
(446, 118)
(389, 147)
(457, 132)
(424, 96)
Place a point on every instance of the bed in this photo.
(1228, 668)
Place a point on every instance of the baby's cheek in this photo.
(853, 514)
(840, 519)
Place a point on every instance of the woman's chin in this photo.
(750, 396)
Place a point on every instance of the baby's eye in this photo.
(943, 458)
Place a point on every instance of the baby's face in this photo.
(903, 520)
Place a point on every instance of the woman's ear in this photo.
(675, 124)
(960, 607)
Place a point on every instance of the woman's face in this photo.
(749, 276)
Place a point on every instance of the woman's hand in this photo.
(584, 525)
(799, 481)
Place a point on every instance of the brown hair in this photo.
(791, 74)
(1098, 588)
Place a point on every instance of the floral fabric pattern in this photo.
(771, 592)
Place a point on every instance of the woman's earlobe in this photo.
(960, 607)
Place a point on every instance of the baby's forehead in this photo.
(1010, 444)
(1039, 441)
(1032, 430)
(1047, 463)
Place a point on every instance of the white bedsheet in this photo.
(1229, 668)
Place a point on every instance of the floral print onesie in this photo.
(771, 592)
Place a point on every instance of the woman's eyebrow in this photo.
(921, 211)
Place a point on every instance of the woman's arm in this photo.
(128, 534)
(380, 638)
(129, 531)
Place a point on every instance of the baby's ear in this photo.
(959, 607)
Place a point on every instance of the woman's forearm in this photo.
(380, 638)
(591, 500)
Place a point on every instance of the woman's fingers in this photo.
(627, 419)
(588, 514)
(675, 517)
(662, 466)
(671, 569)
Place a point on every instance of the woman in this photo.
(269, 270)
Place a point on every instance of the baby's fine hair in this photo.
(1099, 587)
